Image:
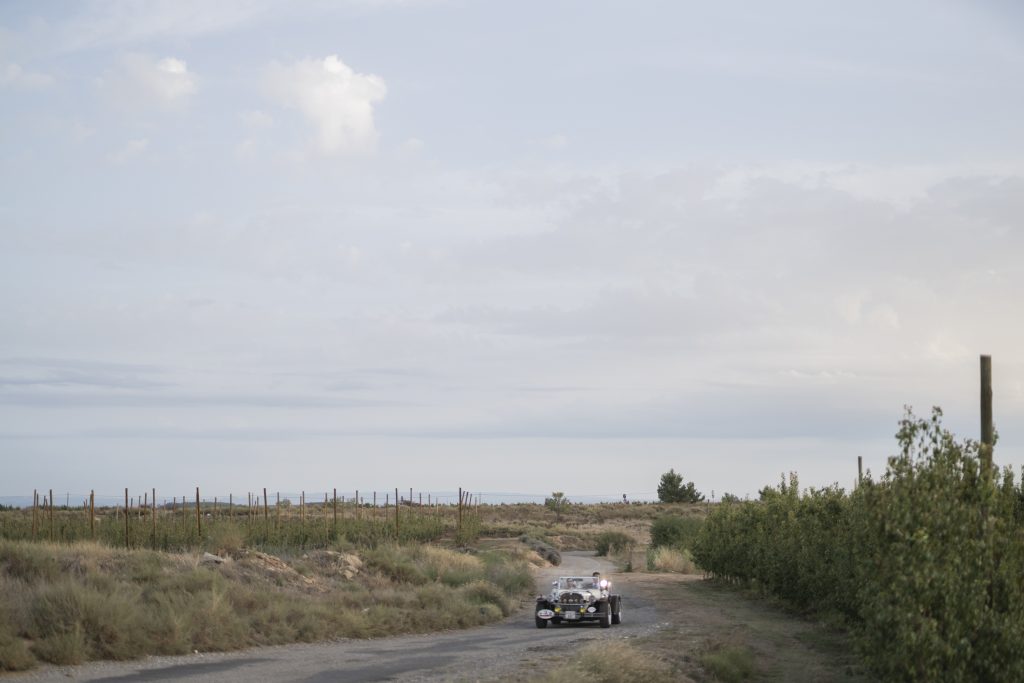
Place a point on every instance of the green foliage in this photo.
(557, 502)
(925, 563)
(614, 542)
(672, 490)
(675, 531)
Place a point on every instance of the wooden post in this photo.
(860, 469)
(51, 515)
(987, 426)
(127, 543)
(199, 517)
(277, 511)
(397, 503)
(302, 509)
(266, 514)
(374, 505)
(231, 505)
(154, 519)
(459, 527)
(35, 513)
(335, 511)
(92, 514)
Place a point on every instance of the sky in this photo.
(513, 247)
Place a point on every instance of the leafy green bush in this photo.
(613, 542)
(675, 531)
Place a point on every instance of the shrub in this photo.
(675, 531)
(613, 542)
(14, 656)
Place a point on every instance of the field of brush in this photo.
(222, 580)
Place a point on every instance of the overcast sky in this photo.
(438, 244)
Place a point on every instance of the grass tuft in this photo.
(670, 560)
(611, 662)
(730, 663)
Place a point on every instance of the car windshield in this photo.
(570, 582)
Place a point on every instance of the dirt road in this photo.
(674, 617)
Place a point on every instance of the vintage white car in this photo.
(578, 599)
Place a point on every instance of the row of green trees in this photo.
(926, 564)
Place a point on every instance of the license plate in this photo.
(572, 615)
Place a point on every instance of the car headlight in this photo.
(605, 583)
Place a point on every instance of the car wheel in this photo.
(541, 623)
(606, 616)
(617, 614)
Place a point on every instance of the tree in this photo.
(672, 490)
(557, 502)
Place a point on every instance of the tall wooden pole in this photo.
(396, 513)
(860, 469)
(987, 426)
(154, 519)
(199, 517)
(92, 514)
(335, 503)
(460, 510)
(127, 543)
(266, 513)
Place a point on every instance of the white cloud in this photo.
(335, 99)
(14, 75)
(141, 79)
(132, 150)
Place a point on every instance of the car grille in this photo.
(572, 598)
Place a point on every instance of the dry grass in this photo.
(69, 604)
(612, 662)
(671, 560)
(730, 663)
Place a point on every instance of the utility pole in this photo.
(987, 426)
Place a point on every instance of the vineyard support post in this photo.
(127, 543)
(199, 517)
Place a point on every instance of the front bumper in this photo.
(571, 612)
